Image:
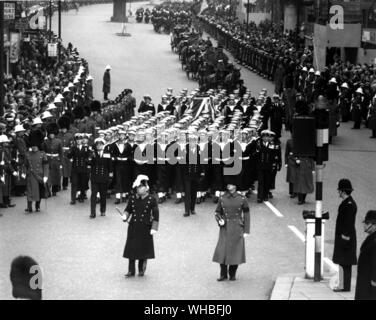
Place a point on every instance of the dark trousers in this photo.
(302, 197)
(264, 179)
(374, 133)
(29, 205)
(346, 277)
(291, 188)
(105, 95)
(102, 189)
(78, 180)
(190, 189)
(231, 270)
(141, 266)
(65, 182)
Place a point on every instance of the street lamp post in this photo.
(247, 14)
(50, 20)
(1, 58)
(59, 38)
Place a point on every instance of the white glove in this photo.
(221, 222)
(23, 176)
(61, 167)
(297, 161)
(152, 231)
(245, 235)
(45, 179)
(15, 173)
(2, 179)
(286, 165)
(111, 175)
(124, 217)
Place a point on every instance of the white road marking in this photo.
(274, 209)
(331, 265)
(297, 233)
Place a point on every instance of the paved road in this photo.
(82, 258)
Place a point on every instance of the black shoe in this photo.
(103, 214)
(73, 202)
(28, 210)
(129, 275)
(259, 201)
(117, 201)
(186, 214)
(161, 200)
(293, 195)
(372, 137)
(80, 200)
(168, 196)
(232, 278)
(222, 278)
(215, 200)
(340, 290)
(2, 205)
(11, 205)
(141, 273)
(270, 195)
(65, 188)
(92, 216)
(124, 199)
(198, 200)
(54, 194)
(193, 212)
(177, 201)
(301, 202)
(37, 209)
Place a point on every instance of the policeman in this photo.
(345, 236)
(232, 215)
(66, 139)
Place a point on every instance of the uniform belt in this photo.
(141, 161)
(66, 148)
(52, 154)
(122, 159)
(164, 159)
(244, 158)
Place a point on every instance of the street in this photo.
(82, 258)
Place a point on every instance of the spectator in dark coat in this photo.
(345, 236)
(366, 278)
(107, 82)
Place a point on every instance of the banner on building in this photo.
(52, 49)
(9, 10)
(349, 37)
(15, 47)
(320, 40)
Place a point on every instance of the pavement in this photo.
(82, 258)
(297, 287)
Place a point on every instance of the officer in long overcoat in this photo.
(232, 215)
(106, 82)
(366, 277)
(66, 138)
(37, 171)
(345, 235)
(143, 216)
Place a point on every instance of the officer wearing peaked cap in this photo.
(66, 138)
(366, 275)
(143, 216)
(101, 172)
(79, 155)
